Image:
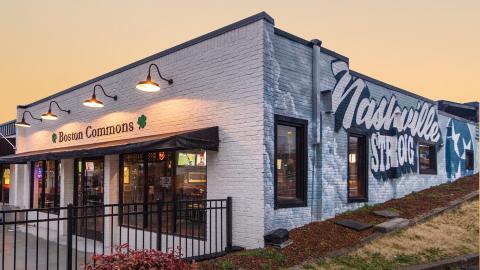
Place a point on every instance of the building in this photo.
(279, 123)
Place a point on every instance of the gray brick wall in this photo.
(288, 91)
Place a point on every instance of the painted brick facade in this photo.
(239, 80)
(217, 82)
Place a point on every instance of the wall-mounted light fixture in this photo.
(93, 102)
(151, 86)
(51, 116)
(23, 123)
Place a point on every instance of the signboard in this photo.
(90, 131)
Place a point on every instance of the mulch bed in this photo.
(318, 239)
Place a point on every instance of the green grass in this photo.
(268, 254)
(225, 265)
(363, 209)
(434, 254)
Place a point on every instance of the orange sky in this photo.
(427, 47)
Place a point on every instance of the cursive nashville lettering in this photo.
(393, 129)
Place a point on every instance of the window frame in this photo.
(470, 153)
(301, 126)
(430, 171)
(358, 133)
(42, 192)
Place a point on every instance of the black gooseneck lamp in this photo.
(149, 85)
(93, 102)
(24, 123)
(51, 116)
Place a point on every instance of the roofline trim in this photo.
(305, 42)
(449, 103)
(444, 113)
(257, 17)
(9, 122)
(391, 87)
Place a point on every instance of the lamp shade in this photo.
(93, 103)
(22, 124)
(148, 85)
(49, 116)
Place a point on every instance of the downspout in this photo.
(317, 132)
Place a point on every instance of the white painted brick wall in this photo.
(218, 82)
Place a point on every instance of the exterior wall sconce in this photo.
(51, 116)
(23, 123)
(151, 86)
(93, 102)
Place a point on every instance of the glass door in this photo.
(89, 182)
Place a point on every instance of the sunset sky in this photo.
(428, 47)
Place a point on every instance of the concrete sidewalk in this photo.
(26, 256)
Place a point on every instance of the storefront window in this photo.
(5, 185)
(357, 168)
(133, 185)
(170, 177)
(427, 156)
(191, 172)
(290, 162)
(45, 185)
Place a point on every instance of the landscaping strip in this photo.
(325, 238)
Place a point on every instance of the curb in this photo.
(443, 264)
(420, 219)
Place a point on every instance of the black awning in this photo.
(206, 138)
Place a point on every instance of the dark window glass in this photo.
(46, 184)
(357, 167)
(172, 177)
(427, 157)
(4, 196)
(290, 162)
(133, 186)
(469, 160)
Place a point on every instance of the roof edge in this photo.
(444, 113)
(391, 87)
(8, 122)
(305, 42)
(249, 20)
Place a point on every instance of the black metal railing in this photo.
(68, 237)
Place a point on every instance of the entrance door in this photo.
(89, 183)
(357, 168)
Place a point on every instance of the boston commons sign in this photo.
(95, 132)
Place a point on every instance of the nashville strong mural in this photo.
(393, 130)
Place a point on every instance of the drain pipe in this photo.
(317, 131)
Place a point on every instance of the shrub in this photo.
(125, 258)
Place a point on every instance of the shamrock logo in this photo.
(142, 121)
(54, 137)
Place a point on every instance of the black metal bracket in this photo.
(170, 81)
(58, 106)
(31, 115)
(104, 93)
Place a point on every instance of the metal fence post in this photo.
(159, 224)
(229, 224)
(70, 224)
